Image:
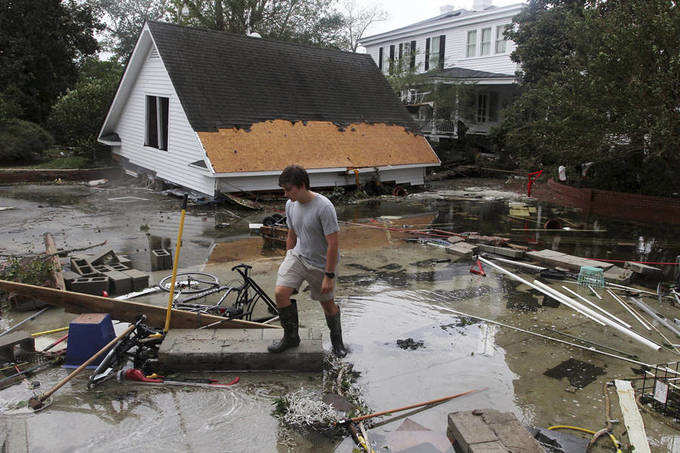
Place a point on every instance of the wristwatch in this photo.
(329, 274)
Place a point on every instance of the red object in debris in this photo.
(532, 178)
(134, 374)
(478, 270)
(105, 293)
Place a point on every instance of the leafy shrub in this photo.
(22, 141)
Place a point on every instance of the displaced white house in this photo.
(218, 112)
(456, 47)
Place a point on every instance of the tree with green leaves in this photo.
(77, 116)
(124, 20)
(41, 42)
(308, 21)
(600, 83)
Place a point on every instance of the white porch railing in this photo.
(437, 127)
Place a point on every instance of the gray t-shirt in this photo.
(312, 222)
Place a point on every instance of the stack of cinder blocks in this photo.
(161, 259)
(106, 272)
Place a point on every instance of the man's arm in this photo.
(291, 239)
(331, 261)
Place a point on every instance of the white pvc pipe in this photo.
(518, 263)
(572, 303)
(594, 292)
(620, 321)
(568, 301)
(644, 307)
(630, 310)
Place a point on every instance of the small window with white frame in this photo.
(485, 45)
(157, 110)
(471, 49)
(501, 40)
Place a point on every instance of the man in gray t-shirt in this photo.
(311, 255)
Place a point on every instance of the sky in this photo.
(405, 12)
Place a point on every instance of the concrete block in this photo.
(119, 283)
(618, 274)
(125, 262)
(81, 266)
(237, 349)
(503, 251)
(109, 257)
(455, 239)
(118, 267)
(462, 249)
(140, 280)
(14, 344)
(161, 259)
(69, 276)
(101, 269)
(466, 429)
(515, 438)
(90, 285)
(640, 268)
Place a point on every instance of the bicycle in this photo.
(237, 302)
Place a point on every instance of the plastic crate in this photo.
(591, 276)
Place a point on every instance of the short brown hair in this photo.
(294, 175)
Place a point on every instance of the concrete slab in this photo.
(570, 262)
(503, 251)
(238, 349)
(466, 429)
(462, 249)
(17, 435)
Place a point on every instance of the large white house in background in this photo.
(458, 46)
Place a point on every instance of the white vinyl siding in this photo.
(471, 49)
(485, 45)
(183, 144)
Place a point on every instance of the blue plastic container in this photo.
(87, 334)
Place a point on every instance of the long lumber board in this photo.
(124, 310)
(631, 416)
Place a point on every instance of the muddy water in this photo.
(388, 289)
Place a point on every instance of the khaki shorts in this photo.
(293, 271)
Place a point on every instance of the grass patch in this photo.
(66, 162)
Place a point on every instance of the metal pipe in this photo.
(572, 303)
(630, 310)
(557, 340)
(633, 356)
(658, 318)
(33, 316)
(620, 321)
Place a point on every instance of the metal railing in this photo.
(411, 97)
(437, 127)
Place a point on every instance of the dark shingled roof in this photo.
(225, 80)
(463, 73)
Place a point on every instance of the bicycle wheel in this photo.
(190, 282)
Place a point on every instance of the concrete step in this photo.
(237, 350)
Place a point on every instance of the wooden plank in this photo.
(123, 310)
(57, 275)
(559, 259)
(632, 417)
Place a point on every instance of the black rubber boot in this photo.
(335, 327)
(289, 321)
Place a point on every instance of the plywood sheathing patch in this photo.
(273, 145)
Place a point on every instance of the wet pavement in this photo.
(388, 290)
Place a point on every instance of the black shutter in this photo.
(427, 54)
(401, 51)
(380, 58)
(391, 58)
(413, 55)
(442, 47)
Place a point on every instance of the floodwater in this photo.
(388, 290)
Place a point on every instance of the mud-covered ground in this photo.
(388, 289)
